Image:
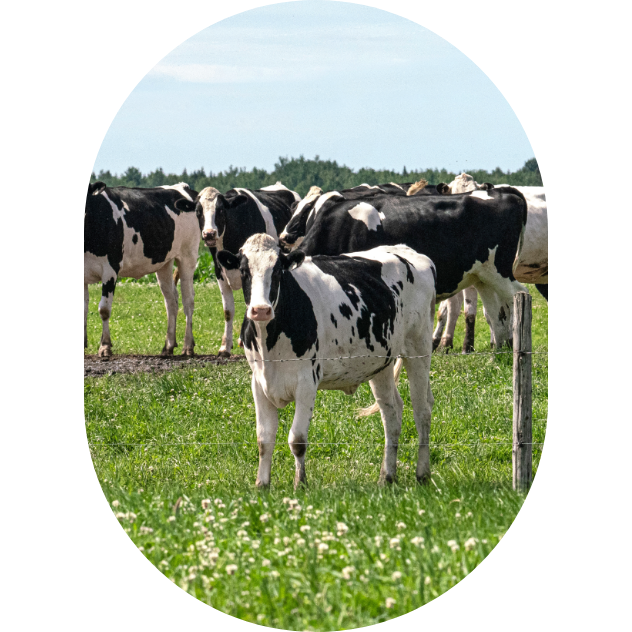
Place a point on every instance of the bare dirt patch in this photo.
(94, 366)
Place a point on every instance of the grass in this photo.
(176, 457)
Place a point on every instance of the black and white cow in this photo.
(473, 239)
(228, 221)
(130, 232)
(532, 265)
(306, 210)
(363, 309)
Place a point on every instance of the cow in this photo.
(305, 211)
(132, 232)
(333, 323)
(532, 265)
(472, 238)
(228, 221)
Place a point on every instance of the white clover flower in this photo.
(264, 517)
(171, 519)
(274, 574)
(400, 526)
(305, 528)
(341, 528)
(115, 503)
(245, 524)
(427, 580)
(396, 575)
(206, 503)
(378, 540)
(265, 562)
(394, 542)
(390, 602)
(457, 515)
(241, 533)
(222, 520)
(417, 540)
(435, 549)
(453, 545)
(300, 542)
(218, 501)
(251, 560)
(470, 544)
(347, 570)
(231, 569)
(323, 547)
(210, 518)
(277, 540)
(144, 530)
(286, 500)
(286, 540)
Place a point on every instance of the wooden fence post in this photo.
(522, 452)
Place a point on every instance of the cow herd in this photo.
(339, 285)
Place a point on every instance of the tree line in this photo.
(299, 174)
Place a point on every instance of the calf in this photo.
(473, 239)
(532, 265)
(229, 220)
(131, 232)
(334, 323)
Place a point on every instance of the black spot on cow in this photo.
(502, 317)
(334, 321)
(352, 330)
(108, 288)
(409, 273)
(345, 310)
(395, 288)
(102, 234)
(294, 317)
(377, 313)
(135, 239)
(248, 334)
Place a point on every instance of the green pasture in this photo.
(176, 456)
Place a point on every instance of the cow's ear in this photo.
(236, 201)
(295, 205)
(96, 188)
(443, 188)
(228, 259)
(184, 205)
(486, 186)
(293, 260)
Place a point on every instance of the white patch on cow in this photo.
(463, 184)
(182, 188)
(481, 195)
(281, 187)
(368, 214)
(265, 213)
(397, 185)
(262, 252)
(117, 213)
(208, 199)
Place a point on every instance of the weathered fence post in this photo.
(522, 411)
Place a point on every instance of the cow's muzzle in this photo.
(209, 237)
(261, 313)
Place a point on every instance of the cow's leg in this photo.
(498, 302)
(418, 370)
(267, 424)
(492, 342)
(543, 288)
(170, 293)
(228, 301)
(105, 309)
(305, 398)
(391, 407)
(442, 318)
(86, 305)
(187, 269)
(471, 299)
(454, 309)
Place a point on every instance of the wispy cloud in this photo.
(215, 73)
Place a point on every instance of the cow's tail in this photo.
(524, 225)
(374, 408)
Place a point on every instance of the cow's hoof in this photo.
(264, 487)
(188, 351)
(223, 354)
(424, 479)
(468, 349)
(435, 343)
(166, 352)
(386, 480)
(105, 352)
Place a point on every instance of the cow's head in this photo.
(294, 232)
(463, 184)
(211, 207)
(260, 264)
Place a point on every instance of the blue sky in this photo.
(350, 83)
